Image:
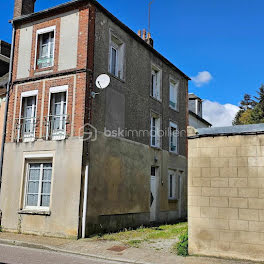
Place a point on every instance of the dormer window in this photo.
(45, 48)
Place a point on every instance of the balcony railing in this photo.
(56, 127)
(44, 62)
(25, 129)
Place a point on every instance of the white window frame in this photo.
(38, 207)
(157, 131)
(19, 132)
(174, 84)
(175, 126)
(155, 91)
(117, 44)
(41, 32)
(173, 185)
(54, 90)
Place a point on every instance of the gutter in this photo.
(7, 102)
(226, 134)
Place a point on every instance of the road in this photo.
(21, 255)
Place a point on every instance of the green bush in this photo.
(182, 245)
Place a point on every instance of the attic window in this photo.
(45, 48)
(116, 60)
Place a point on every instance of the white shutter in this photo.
(158, 85)
(172, 90)
(158, 132)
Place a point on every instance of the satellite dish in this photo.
(103, 81)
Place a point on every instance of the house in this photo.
(57, 179)
(5, 49)
(226, 192)
(196, 119)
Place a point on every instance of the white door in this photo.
(153, 194)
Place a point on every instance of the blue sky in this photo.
(222, 37)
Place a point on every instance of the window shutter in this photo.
(158, 132)
(158, 85)
(178, 187)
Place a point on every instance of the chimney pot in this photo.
(144, 34)
(24, 7)
(139, 33)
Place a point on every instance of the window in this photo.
(153, 171)
(58, 115)
(173, 185)
(57, 120)
(45, 48)
(199, 107)
(174, 95)
(28, 119)
(38, 185)
(174, 136)
(155, 131)
(155, 83)
(116, 62)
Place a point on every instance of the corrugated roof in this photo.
(230, 130)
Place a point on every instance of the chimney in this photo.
(150, 40)
(24, 7)
(139, 33)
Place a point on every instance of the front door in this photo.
(153, 194)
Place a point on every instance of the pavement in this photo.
(101, 251)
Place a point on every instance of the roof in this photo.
(230, 131)
(4, 80)
(199, 118)
(5, 49)
(192, 96)
(43, 13)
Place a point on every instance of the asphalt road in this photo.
(21, 255)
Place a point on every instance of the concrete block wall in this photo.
(226, 196)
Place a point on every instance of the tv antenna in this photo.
(150, 3)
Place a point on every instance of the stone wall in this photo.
(226, 196)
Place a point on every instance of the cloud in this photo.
(219, 115)
(202, 78)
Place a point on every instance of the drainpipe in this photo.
(85, 194)
(6, 106)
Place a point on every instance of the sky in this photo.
(218, 43)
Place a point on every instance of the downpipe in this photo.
(85, 198)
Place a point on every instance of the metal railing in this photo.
(25, 129)
(55, 127)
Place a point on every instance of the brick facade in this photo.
(77, 80)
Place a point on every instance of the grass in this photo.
(149, 234)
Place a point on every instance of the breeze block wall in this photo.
(226, 196)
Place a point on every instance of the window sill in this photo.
(49, 68)
(34, 212)
(174, 153)
(156, 99)
(157, 148)
(174, 109)
(117, 78)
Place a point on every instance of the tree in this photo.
(251, 111)
(246, 104)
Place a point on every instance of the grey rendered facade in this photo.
(118, 170)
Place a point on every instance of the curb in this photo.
(54, 249)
